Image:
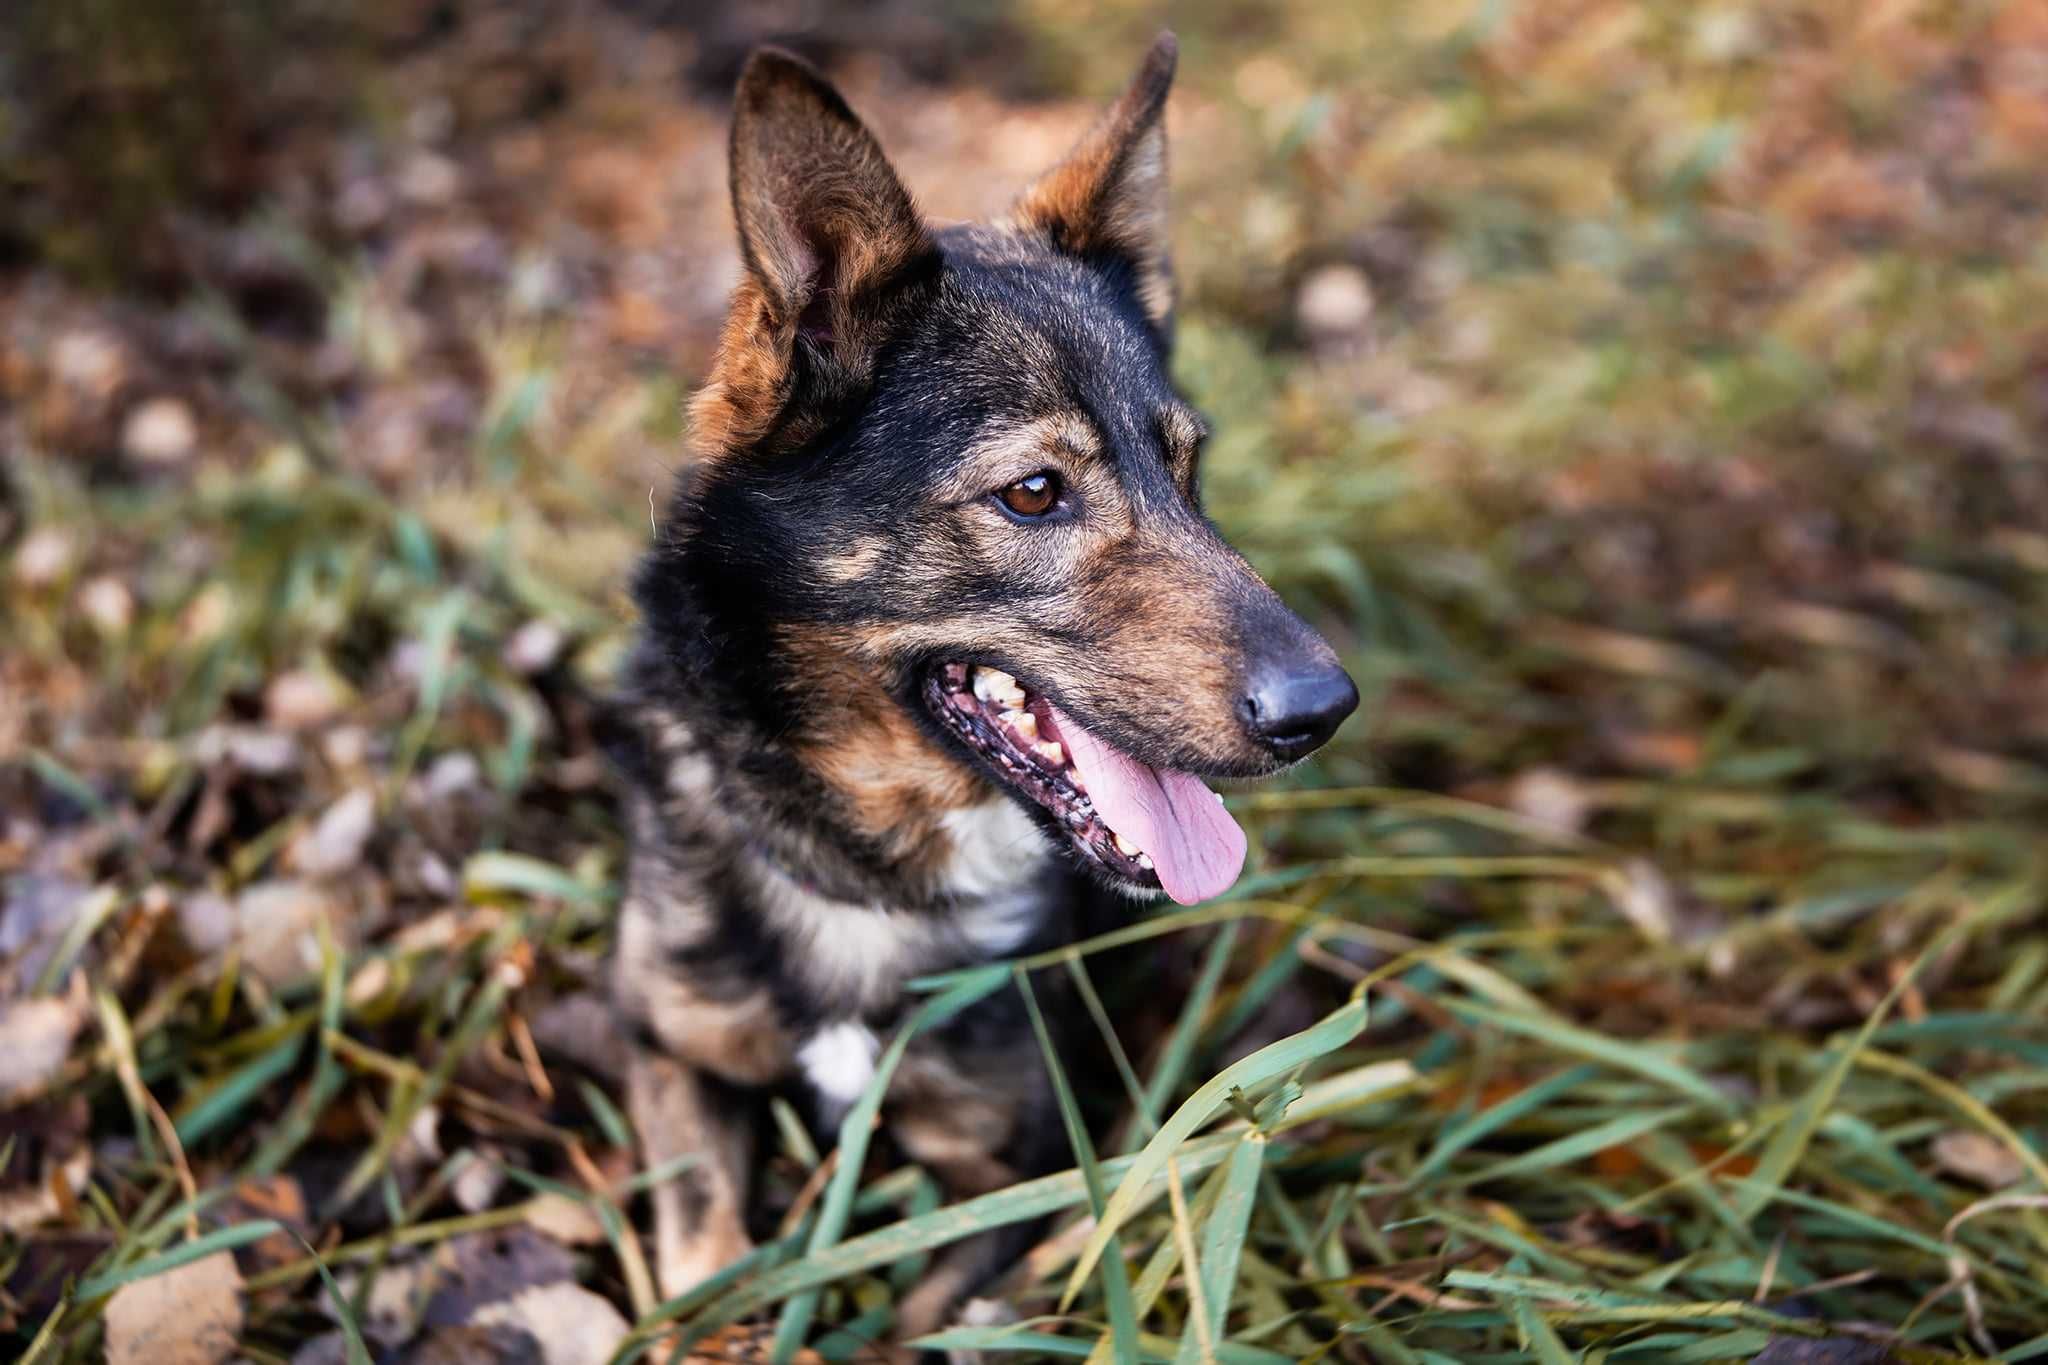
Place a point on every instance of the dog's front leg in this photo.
(696, 1045)
(699, 1212)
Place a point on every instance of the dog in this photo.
(937, 647)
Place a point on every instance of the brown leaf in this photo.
(276, 1197)
(301, 699)
(334, 844)
(569, 1221)
(500, 1345)
(744, 1344)
(35, 1038)
(1978, 1158)
(277, 921)
(189, 1315)
(572, 1325)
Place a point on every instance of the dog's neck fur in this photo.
(755, 876)
(847, 799)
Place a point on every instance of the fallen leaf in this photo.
(477, 1185)
(36, 910)
(160, 431)
(42, 558)
(335, 843)
(35, 1038)
(572, 1325)
(485, 1268)
(301, 699)
(533, 648)
(1647, 901)
(276, 924)
(499, 1344)
(276, 1197)
(743, 1344)
(1978, 1158)
(188, 1315)
(569, 1221)
(1552, 798)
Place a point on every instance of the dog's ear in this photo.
(1107, 200)
(830, 239)
(824, 222)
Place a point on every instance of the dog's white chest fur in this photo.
(839, 1062)
(996, 846)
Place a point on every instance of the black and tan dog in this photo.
(938, 646)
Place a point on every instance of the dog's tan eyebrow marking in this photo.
(1013, 451)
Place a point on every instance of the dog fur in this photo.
(806, 838)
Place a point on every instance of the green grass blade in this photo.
(1223, 1237)
(1116, 1280)
(1473, 1127)
(1275, 1059)
(1135, 1089)
(1782, 1154)
(1180, 1044)
(1637, 1058)
(1017, 1204)
(854, 1132)
(238, 1089)
(1539, 1337)
(225, 1239)
(1563, 1151)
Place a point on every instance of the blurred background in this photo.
(1649, 398)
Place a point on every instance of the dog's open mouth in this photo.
(1151, 826)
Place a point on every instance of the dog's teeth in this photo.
(994, 685)
(1023, 722)
(1051, 752)
(1145, 861)
(989, 683)
(1127, 848)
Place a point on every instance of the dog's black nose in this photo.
(1293, 709)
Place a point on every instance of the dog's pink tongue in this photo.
(1196, 847)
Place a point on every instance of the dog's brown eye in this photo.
(1033, 496)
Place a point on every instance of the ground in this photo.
(1648, 398)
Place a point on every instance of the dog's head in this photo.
(946, 474)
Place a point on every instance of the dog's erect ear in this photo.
(833, 246)
(825, 225)
(1107, 200)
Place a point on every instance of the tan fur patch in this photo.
(741, 1040)
(743, 394)
(700, 1213)
(893, 782)
(855, 562)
